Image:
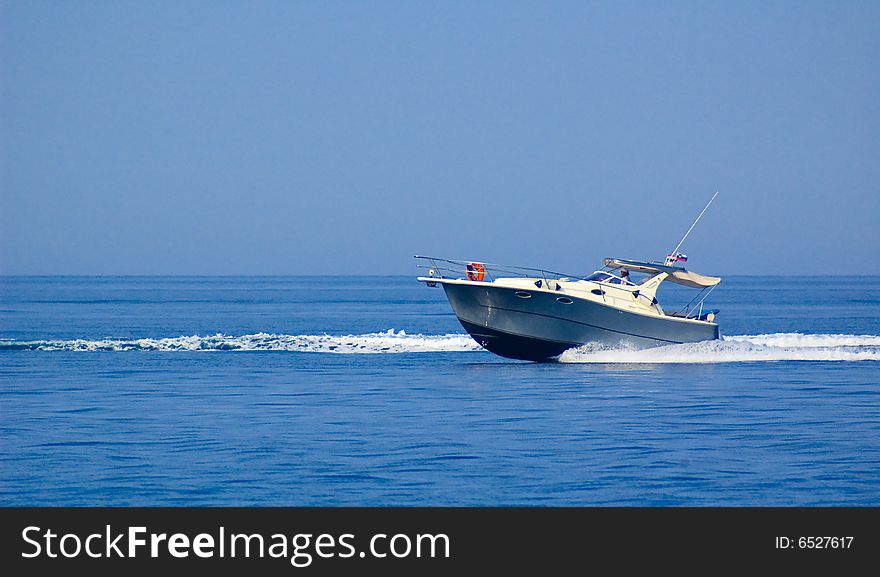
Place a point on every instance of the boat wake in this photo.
(740, 349)
(386, 342)
(732, 349)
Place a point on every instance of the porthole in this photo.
(523, 295)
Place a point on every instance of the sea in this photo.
(365, 391)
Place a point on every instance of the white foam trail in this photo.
(740, 349)
(732, 349)
(800, 340)
(386, 342)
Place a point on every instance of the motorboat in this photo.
(536, 315)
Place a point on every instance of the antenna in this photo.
(675, 250)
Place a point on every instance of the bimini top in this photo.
(677, 274)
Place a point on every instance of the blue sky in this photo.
(344, 137)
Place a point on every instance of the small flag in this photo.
(677, 257)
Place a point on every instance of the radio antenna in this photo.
(670, 257)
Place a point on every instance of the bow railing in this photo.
(458, 269)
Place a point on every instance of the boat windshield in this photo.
(599, 276)
(602, 276)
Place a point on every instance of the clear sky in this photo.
(343, 137)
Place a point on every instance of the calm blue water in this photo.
(291, 391)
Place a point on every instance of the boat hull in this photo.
(540, 327)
